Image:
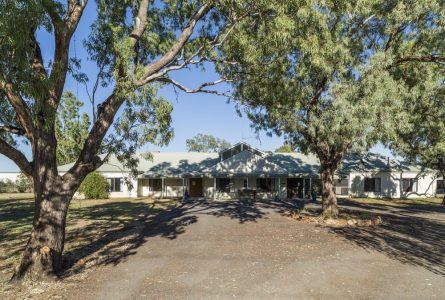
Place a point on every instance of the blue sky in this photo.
(192, 113)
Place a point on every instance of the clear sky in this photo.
(192, 113)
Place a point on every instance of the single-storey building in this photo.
(244, 171)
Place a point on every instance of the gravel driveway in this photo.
(228, 250)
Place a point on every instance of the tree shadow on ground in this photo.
(384, 207)
(116, 244)
(407, 238)
(243, 211)
(16, 217)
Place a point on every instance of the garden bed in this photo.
(347, 218)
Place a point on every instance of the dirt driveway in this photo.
(251, 251)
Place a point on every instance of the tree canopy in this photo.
(206, 143)
(136, 46)
(325, 74)
(71, 129)
(285, 148)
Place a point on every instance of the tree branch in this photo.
(37, 63)
(88, 159)
(414, 58)
(188, 61)
(16, 156)
(199, 89)
(51, 9)
(140, 22)
(177, 46)
(63, 33)
(20, 108)
(12, 129)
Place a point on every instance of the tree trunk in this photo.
(329, 199)
(42, 257)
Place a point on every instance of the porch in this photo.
(227, 188)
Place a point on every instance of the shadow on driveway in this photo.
(403, 237)
(411, 234)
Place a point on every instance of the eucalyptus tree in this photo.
(71, 129)
(325, 74)
(206, 143)
(136, 46)
(422, 140)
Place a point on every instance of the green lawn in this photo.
(93, 226)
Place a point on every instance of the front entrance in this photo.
(295, 188)
(195, 187)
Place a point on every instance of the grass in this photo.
(91, 224)
(398, 202)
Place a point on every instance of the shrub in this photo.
(94, 186)
(7, 186)
(23, 184)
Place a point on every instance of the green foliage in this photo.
(23, 184)
(71, 129)
(206, 143)
(423, 139)
(285, 148)
(94, 186)
(7, 186)
(326, 74)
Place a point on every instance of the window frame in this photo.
(440, 186)
(413, 185)
(375, 187)
(112, 184)
(223, 184)
(270, 182)
(157, 186)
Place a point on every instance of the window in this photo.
(265, 184)
(373, 185)
(440, 187)
(156, 185)
(245, 183)
(115, 184)
(223, 185)
(409, 185)
(231, 152)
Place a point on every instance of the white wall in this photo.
(391, 185)
(9, 175)
(125, 192)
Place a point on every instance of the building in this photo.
(244, 171)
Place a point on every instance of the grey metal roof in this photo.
(245, 163)
(187, 164)
(375, 162)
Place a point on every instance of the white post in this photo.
(163, 188)
(247, 180)
(310, 185)
(214, 187)
(279, 188)
(304, 185)
(183, 188)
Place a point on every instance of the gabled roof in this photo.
(375, 162)
(245, 163)
(179, 164)
(238, 148)
(296, 164)
(246, 160)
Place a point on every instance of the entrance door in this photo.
(295, 188)
(195, 187)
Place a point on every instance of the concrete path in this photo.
(229, 250)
